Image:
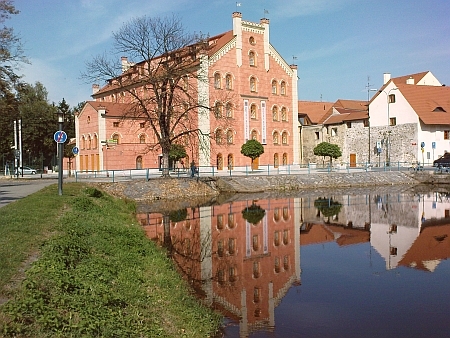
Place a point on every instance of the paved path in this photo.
(14, 189)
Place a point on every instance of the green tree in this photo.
(328, 149)
(11, 56)
(39, 123)
(327, 207)
(253, 149)
(253, 214)
(177, 152)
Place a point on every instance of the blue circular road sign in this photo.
(60, 136)
(75, 150)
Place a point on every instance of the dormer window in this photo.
(439, 110)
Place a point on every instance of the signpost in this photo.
(75, 150)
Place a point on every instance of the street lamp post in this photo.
(60, 152)
(388, 146)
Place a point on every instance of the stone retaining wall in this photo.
(312, 181)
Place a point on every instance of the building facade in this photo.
(261, 103)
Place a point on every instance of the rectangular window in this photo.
(446, 134)
(366, 123)
(115, 124)
(349, 124)
(392, 121)
(334, 132)
(142, 124)
(317, 135)
(391, 98)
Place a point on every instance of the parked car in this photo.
(26, 171)
(443, 161)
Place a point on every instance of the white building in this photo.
(410, 119)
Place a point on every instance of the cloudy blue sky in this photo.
(338, 44)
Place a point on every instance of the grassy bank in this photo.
(96, 274)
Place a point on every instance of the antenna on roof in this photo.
(369, 89)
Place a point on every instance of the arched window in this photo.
(229, 110)
(275, 113)
(283, 114)
(275, 161)
(83, 143)
(142, 138)
(253, 111)
(116, 138)
(217, 81)
(283, 88)
(285, 159)
(254, 135)
(230, 163)
(275, 138)
(253, 84)
(89, 141)
(251, 40)
(252, 58)
(95, 142)
(218, 109)
(228, 82)
(219, 162)
(284, 138)
(230, 137)
(274, 87)
(219, 136)
(139, 162)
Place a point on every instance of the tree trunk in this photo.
(165, 164)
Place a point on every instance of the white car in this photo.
(26, 171)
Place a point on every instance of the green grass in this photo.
(96, 275)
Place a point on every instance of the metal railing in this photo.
(264, 170)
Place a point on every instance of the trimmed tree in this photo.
(252, 149)
(328, 149)
(177, 152)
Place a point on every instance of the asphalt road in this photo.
(14, 189)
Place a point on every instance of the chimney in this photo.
(386, 77)
(125, 64)
(410, 81)
(95, 88)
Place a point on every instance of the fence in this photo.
(212, 171)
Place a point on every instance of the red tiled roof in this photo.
(346, 115)
(416, 77)
(215, 43)
(314, 110)
(431, 103)
(111, 108)
(432, 245)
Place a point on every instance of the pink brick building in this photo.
(242, 65)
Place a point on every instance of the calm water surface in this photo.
(354, 265)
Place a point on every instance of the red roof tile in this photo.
(431, 103)
(314, 110)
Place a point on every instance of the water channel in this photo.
(319, 264)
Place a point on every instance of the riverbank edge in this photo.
(187, 191)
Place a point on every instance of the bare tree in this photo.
(165, 77)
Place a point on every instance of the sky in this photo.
(341, 47)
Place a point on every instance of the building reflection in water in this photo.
(242, 256)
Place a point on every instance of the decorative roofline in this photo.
(222, 51)
(277, 57)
